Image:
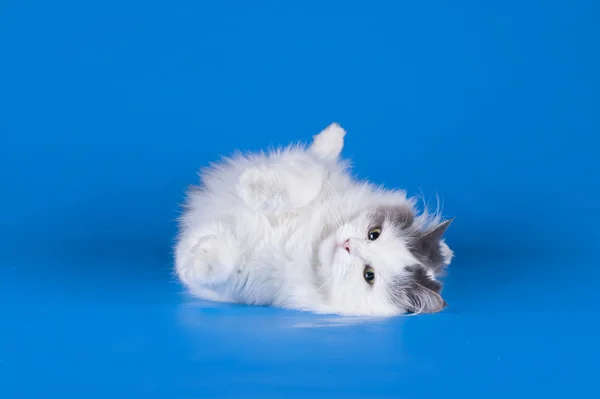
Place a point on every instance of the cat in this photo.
(292, 228)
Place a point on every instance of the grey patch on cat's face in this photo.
(399, 217)
(418, 293)
(426, 247)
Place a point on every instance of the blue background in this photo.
(108, 108)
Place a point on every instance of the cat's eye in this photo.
(374, 233)
(369, 274)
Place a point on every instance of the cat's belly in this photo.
(276, 269)
(266, 277)
(276, 263)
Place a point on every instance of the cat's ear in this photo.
(424, 300)
(416, 291)
(329, 143)
(423, 294)
(437, 231)
(429, 248)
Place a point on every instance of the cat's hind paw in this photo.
(210, 261)
(262, 190)
(329, 143)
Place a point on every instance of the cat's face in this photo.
(379, 263)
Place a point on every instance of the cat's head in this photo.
(384, 261)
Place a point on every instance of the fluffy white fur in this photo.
(289, 228)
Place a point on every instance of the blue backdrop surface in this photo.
(108, 108)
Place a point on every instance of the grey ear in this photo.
(427, 249)
(424, 300)
(438, 231)
(418, 293)
(424, 293)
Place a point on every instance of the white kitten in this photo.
(293, 229)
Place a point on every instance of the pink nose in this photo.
(346, 245)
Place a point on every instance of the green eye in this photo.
(369, 274)
(374, 233)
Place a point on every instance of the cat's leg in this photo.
(281, 188)
(206, 256)
(294, 183)
(329, 143)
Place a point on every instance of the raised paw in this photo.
(329, 143)
(262, 189)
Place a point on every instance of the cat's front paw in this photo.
(329, 143)
(262, 190)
